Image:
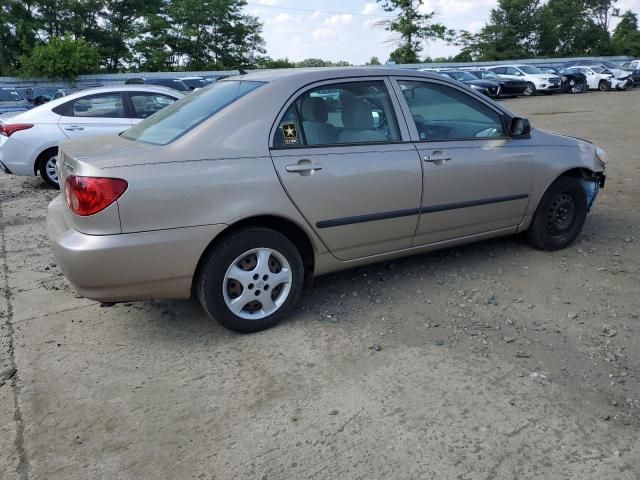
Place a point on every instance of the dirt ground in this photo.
(490, 361)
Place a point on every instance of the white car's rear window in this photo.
(180, 117)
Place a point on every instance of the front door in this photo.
(476, 179)
(340, 155)
(98, 114)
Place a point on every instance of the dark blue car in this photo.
(12, 101)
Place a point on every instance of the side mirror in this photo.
(520, 127)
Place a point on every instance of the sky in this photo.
(346, 29)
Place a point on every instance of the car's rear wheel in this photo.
(603, 86)
(47, 166)
(560, 215)
(530, 90)
(251, 280)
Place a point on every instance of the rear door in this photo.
(476, 178)
(349, 166)
(97, 114)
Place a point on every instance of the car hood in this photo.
(619, 73)
(15, 106)
(482, 83)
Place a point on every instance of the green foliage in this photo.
(626, 36)
(410, 28)
(268, 62)
(534, 28)
(61, 58)
(374, 61)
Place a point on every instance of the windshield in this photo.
(487, 74)
(597, 69)
(530, 70)
(609, 64)
(180, 117)
(461, 76)
(9, 95)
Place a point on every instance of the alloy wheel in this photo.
(50, 169)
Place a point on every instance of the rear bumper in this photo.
(16, 158)
(133, 266)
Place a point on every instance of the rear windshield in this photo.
(180, 117)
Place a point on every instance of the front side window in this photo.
(146, 104)
(339, 114)
(444, 113)
(107, 105)
(512, 71)
(188, 112)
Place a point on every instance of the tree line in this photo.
(65, 38)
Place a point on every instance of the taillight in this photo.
(8, 129)
(89, 195)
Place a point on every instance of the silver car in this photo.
(243, 190)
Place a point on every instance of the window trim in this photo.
(66, 109)
(396, 107)
(415, 135)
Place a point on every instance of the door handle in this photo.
(304, 167)
(73, 128)
(436, 157)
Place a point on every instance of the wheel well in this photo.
(584, 173)
(36, 164)
(281, 225)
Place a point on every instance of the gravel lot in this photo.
(490, 361)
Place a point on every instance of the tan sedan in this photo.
(239, 192)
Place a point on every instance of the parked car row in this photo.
(519, 79)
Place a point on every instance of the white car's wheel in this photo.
(47, 166)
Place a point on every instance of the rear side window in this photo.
(185, 114)
(340, 114)
(108, 105)
(146, 104)
(9, 95)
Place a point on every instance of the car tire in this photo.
(235, 276)
(560, 215)
(530, 91)
(603, 86)
(46, 166)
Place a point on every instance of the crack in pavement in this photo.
(23, 463)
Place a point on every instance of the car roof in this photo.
(324, 73)
(114, 88)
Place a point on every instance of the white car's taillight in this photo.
(8, 129)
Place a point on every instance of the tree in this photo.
(268, 62)
(410, 29)
(374, 61)
(312, 62)
(61, 58)
(626, 36)
(567, 29)
(17, 32)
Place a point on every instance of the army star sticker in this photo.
(289, 130)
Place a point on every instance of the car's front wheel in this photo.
(47, 166)
(560, 215)
(251, 280)
(603, 86)
(530, 90)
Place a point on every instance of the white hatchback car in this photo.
(29, 140)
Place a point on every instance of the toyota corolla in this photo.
(239, 193)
